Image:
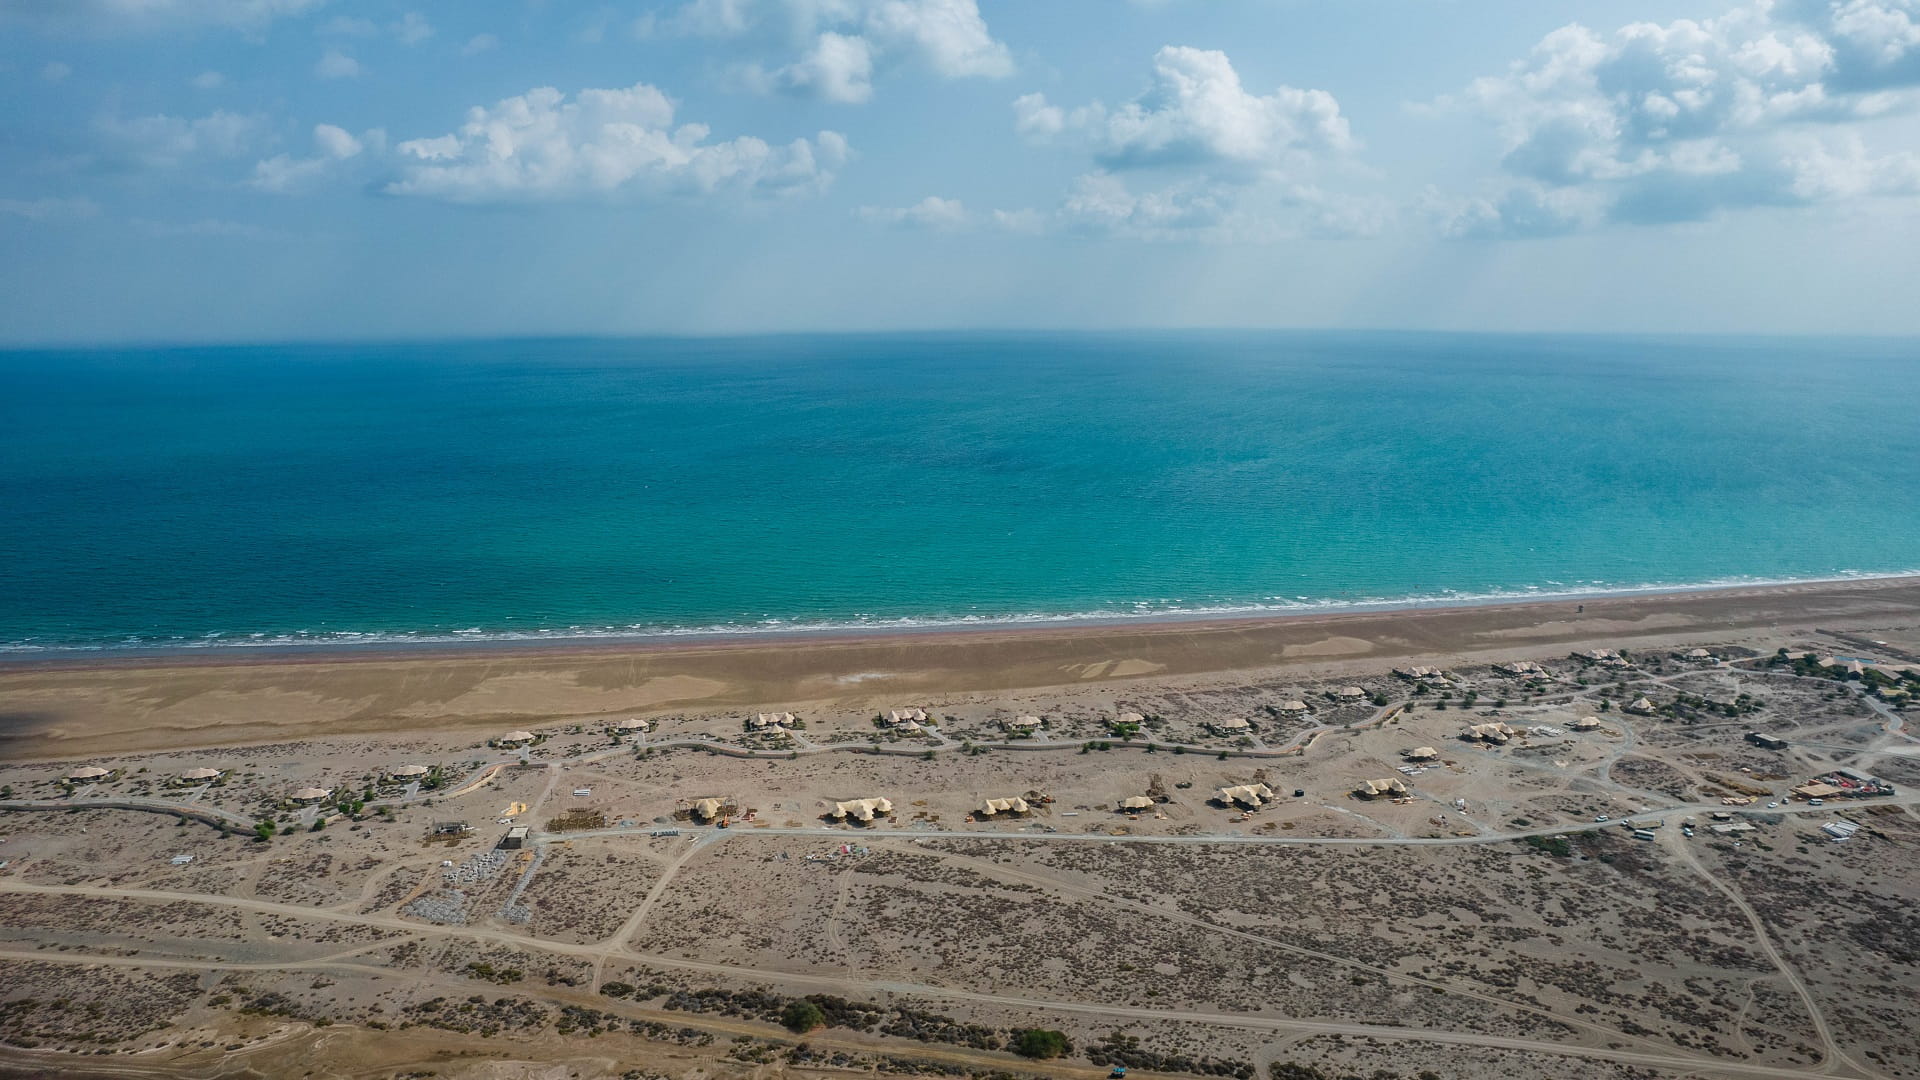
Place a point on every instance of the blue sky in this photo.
(182, 170)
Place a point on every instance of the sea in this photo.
(195, 498)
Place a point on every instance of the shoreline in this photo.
(591, 642)
(73, 709)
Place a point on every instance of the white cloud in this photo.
(1658, 123)
(838, 68)
(335, 64)
(284, 173)
(932, 212)
(1208, 159)
(843, 43)
(1197, 112)
(478, 44)
(50, 209)
(163, 141)
(541, 146)
(55, 71)
(208, 80)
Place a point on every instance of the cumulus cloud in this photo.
(285, 173)
(842, 43)
(542, 146)
(335, 64)
(1199, 154)
(1658, 123)
(1196, 112)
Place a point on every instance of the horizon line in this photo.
(60, 345)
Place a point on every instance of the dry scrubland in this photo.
(1484, 925)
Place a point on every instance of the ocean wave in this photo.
(1164, 610)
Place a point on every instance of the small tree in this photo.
(802, 1016)
(1041, 1043)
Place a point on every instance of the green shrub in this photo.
(1041, 1043)
(802, 1016)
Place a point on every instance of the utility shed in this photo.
(516, 838)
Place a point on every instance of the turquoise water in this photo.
(195, 496)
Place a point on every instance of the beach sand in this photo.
(71, 708)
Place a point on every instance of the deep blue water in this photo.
(179, 496)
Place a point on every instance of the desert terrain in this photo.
(1531, 841)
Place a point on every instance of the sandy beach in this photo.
(71, 708)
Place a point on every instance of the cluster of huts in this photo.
(1250, 796)
(861, 810)
(771, 721)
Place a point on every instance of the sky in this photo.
(260, 170)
